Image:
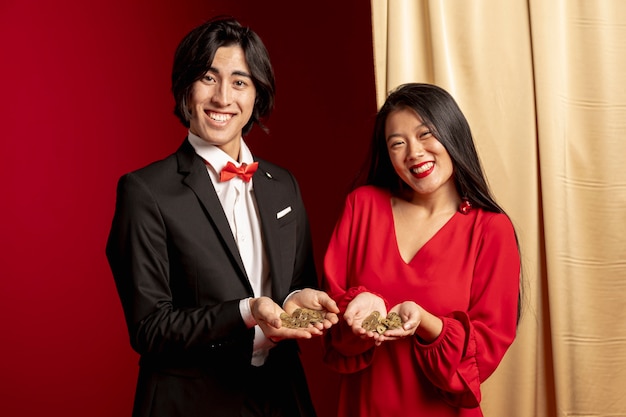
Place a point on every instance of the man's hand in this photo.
(314, 300)
(267, 315)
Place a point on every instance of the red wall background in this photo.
(85, 98)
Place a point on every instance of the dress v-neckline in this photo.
(426, 243)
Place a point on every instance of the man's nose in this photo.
(222, 95)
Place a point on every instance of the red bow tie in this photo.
(245, 171)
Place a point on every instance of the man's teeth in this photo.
(220, 117)
(423, 168)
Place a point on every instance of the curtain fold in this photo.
(543, 85)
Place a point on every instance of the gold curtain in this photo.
(543, 85)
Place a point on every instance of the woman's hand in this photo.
(411, 315)
(360, 308)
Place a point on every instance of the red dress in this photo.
(467, 274)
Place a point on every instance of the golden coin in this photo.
(371, 322)
(302, 317)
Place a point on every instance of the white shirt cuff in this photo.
(290, 294)
(246, 313)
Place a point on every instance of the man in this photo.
(206, 259)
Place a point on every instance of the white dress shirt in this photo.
(239, 204)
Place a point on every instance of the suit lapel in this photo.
(195, 176)
(267, 196)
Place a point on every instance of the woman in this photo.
(423, 238)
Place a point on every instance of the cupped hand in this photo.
(411, 315)
(267, 315)
(360, 308)
(314, 300)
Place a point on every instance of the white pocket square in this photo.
(283, 212)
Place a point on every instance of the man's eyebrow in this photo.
(239, 73)
(242, 73)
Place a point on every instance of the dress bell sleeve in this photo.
(473, 342)
(344, 351)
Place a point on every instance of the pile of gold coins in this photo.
(301, 317)
(374, 323)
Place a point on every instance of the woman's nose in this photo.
(416, 149)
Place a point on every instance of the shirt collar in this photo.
(215, 156)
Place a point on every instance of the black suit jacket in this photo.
(180, 278)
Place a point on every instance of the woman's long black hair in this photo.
(441, 114)
(443, 117)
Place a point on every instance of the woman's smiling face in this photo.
(417, 156)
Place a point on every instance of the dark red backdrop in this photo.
(85, 98)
